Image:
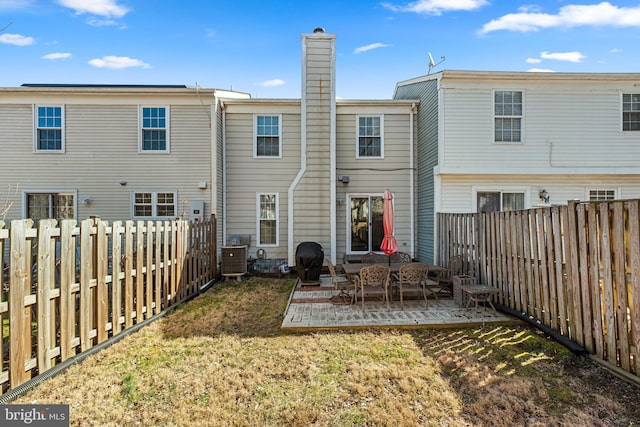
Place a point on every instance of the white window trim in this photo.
(154, 204)
(167, 129)
(358, 156)
(621, 115)
(616, 191)
(493, 118)
(35, 128)
(258, 237)
(25, 193)
(255, 136)
(501, 189)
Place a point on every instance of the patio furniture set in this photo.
(379, 275)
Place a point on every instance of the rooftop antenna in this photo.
(432, 63)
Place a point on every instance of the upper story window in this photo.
(154, 204)
(508, 116)
(49, 129)
(631, 111)
(267, 219)
(268, 138)
(601, 195)
(370, 142)
(154, 130)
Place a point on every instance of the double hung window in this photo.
(153, 130)
(508, 116)
(601, 195)
(49, 129)
(267, 136)
(370, 142)
(631, 111)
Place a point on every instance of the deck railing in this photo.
(575, 268)
(68, 288)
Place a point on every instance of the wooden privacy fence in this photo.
(574, 268)
(69, 288)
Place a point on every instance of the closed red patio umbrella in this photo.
(389, 244)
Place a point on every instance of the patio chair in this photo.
(343, 283)
(374, 258)
(373, 279)
(445, 278)
(401, 257)
(411, 278)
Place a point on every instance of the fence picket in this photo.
(620, 283)
(634, 255)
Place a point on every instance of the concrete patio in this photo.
(310, 308)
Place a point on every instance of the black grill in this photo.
(309, 260)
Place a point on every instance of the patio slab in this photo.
(310, 308)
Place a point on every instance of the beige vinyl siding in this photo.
(102, 149)
(247, 176)
(312, 195)
(373, 176)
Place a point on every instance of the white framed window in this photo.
(267, 214)
(154, 130)
(507, 110)
(499, 200)
(631, 111)
(49, 128)
(49, 204)
(601, 194)
(154, 204)
(370, 140)
(268, 138)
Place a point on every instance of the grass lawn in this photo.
(221, 360)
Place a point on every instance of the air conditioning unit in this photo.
(234, 261)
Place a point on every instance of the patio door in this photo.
(365, 218)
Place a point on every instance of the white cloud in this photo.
(540, 70)
(437, 7)
(597, 15)
(16, 39)
(59, 55)
(534, 60)
(117, 62)
(615, 50)
(370, 47)
(107, 8)
(272, 83)
(574, 56)
(15, 4)
(96, 22)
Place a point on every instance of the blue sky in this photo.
(255, 47)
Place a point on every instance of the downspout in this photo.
(333, 162)
(224, 173)
(412, 220)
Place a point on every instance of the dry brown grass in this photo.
(222, 360)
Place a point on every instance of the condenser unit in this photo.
(234, 261)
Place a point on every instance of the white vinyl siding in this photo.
(49, 128)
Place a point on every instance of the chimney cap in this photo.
(318, 30)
